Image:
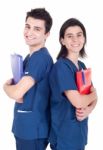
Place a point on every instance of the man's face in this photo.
(34, 33)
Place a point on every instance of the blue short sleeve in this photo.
(65, 77)
(37, 66)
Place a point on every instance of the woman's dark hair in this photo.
(42, 14)
(69, 23)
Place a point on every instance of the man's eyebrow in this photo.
(37, 27)
(26, 24)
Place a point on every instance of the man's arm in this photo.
(17, 91)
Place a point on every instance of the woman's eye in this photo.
(70, 36)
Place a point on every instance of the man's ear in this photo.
(47, 34)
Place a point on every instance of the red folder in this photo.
(83, 79)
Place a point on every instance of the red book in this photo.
(83, 79)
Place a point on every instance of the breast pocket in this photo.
(28, 100)
(26, 106)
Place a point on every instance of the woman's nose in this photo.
(74, 38)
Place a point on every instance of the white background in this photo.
(12, 20)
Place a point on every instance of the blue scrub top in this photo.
(32, 117)
(66, 130)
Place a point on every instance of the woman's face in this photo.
(73, 39)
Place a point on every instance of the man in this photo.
(31, 113)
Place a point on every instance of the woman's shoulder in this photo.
(82, 64)
(62, 64)
(59, 62)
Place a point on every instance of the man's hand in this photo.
(9, 82)
(7, 85)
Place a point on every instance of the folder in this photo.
(17, 67)
(83, 80)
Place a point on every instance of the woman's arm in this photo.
(83, 113)
(80, 101)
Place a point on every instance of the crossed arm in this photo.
(18, 90)
(84, 104)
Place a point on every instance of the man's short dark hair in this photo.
(42, 14)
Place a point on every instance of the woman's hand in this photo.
(82, 113)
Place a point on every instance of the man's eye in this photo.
(27, 27)
(37, 29)
(79, 35)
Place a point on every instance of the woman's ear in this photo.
(62, 41)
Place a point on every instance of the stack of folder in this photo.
(83, 79)
(17, 67)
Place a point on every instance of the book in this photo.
(17, 67)
(83, 80)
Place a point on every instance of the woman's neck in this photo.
(74, 59)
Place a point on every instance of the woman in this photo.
(69, 109)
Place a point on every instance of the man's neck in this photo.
(36, 48)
